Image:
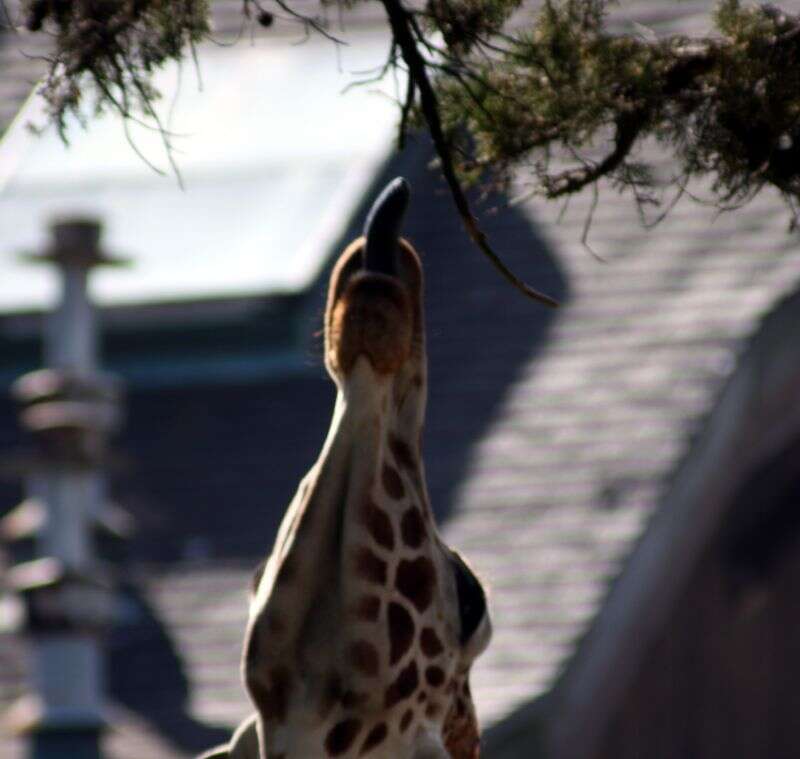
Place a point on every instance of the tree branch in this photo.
(628, 128)
(399, 21)
(408, 104)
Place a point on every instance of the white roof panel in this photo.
(274, 157)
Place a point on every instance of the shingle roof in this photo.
(573, 465)
(214, 466)
(549, 438)
(19, 72)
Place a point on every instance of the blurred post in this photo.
(68, 411)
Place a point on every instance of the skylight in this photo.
(274, 156)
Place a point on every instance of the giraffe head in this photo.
(364, 624)
(374, 309)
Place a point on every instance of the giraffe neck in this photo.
(370, 416)
(336, 553)
(396, 401)
(364, 623)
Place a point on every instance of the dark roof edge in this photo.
(750, 422)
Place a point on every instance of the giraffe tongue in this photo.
(382, 228)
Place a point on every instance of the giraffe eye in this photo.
(471, 599)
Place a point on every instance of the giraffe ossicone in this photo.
(363, 623)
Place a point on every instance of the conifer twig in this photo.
(399, 21)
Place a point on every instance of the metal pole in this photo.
(69, 409)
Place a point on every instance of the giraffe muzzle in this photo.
(372, 319)
(371, 303)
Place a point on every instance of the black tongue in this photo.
(382, 228)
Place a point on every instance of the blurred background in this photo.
(623, 471)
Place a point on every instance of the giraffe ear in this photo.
(382, 228)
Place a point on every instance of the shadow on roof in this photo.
(146, 675)
(215, 466)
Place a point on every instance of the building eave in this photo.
(750, 423)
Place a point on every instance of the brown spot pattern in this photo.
(352, 699)
(369, 566)
(374, 738)
(404, 685)
(429, 643)
(415, 580)
(434, 676)
(378, 525)
(364, 657)
(272, 699)
(368, 608)
(341, 736)
(331, 693)
(401, 631)
(402, 452)
(461, 735)
(406, 720)
(412, 528)
(432, 710)
(392, 483)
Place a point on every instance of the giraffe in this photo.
(363, 623)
